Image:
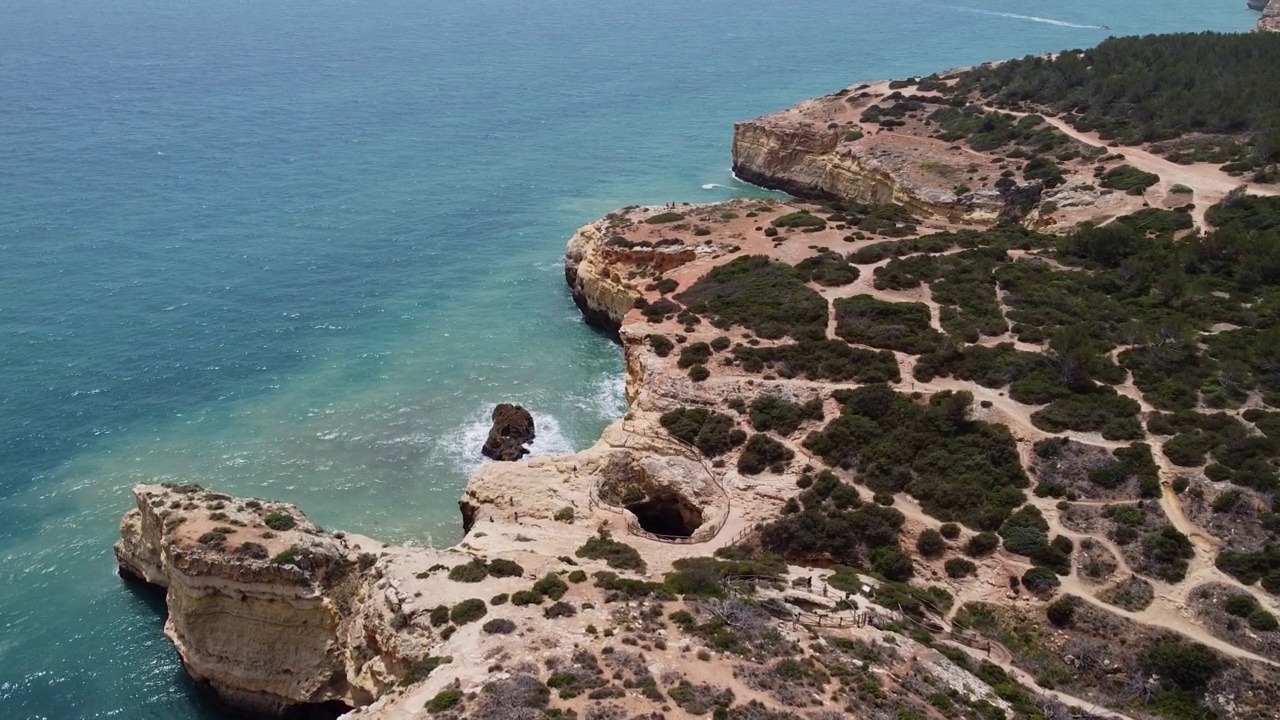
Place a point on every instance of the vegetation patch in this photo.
(774, 413)
(904, 327)
(821, 360)
(617, 555)
(768, 297)
(960, 470)
(712, 433)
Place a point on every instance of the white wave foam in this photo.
(713, 186)
(462, 446)
(1030, 18)
(608, 397)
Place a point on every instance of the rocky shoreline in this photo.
(280, 617)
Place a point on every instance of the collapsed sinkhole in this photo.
(667, 512)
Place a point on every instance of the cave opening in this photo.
(667, 513)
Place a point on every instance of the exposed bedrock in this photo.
(787, 152)
(273, 615)
(510, 435)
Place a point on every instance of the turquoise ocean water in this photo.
(297, 249)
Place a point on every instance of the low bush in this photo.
(662, 347)
(828, 269)
(770, 412)
(959, 568)
(822, 359)
(930, 543)
(280, 521)
(467, 611)
(617, 555)
(664, 217)
(521, 598)
(799, 219)
(960, 470)
(712, 433)
(419, 670)
(499, 626)
(904, 326)
(444, 700)
(763, 452)
(984, 543)
(765, 296)
(551, 586)
(1129, 179)
(559, 609)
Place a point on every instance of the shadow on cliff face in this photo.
(667, 513)
(206, 702)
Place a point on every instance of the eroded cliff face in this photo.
(267, 610)
(1270, 21)
(808, 151)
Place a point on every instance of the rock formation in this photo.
(1270, 21)
(510, 435)
(817, 150)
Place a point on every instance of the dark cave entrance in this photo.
(667, 513)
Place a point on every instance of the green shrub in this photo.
(502, 567)
(467, 611)
(930, 543)
(577, 576)
(1241, 604)
(904, 327)
(499, 599)
(712, 433)
(473, 571)
(765, 296)
(799, 219)
(1182, 664)
(665, 217)
(959, 568)
(821, 360)
(419, 670)
(950, 530)
(439, 616)
(444, 700)
(770, 412)
(551, 586)
(694, 354)
(1129, 179)
(280, 521)
(699, 373)
(1262, 621)
(984, 543)
(617, 555)
(520, 598)
(662, 347)
(564, 515)
(960, 470)
(288, 556)
(559, 609)
(828, 269)
(1040, 581)
(763, 452)
(1061, 611)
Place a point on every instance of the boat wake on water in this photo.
(1030, 18)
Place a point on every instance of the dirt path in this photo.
(1209, 183)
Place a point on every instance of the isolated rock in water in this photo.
(511, 433)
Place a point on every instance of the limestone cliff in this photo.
(265, 609)
(816, 150)
(1270, 21)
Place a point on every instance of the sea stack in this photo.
(511, 433)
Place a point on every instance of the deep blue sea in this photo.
(298, 248)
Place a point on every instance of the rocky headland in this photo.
(891, 451)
